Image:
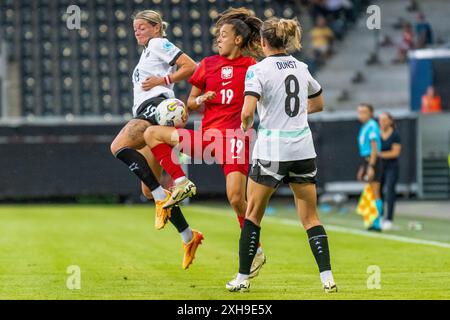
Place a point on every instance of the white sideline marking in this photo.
(371, 234)
(347, 230)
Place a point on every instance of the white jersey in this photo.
(282, 85)
(157, 59)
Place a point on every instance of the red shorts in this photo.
(231, 152)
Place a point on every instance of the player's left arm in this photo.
(315, 104)
(248, 112)
(252, 94)
(315, 96)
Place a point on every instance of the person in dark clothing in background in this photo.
(390, 152)
(424, 32)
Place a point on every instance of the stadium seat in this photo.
(87, 72)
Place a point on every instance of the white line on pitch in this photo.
(340, 229)
(371, 234)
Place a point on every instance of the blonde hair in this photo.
(153, 18)
(282, 33)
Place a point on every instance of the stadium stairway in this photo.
(385, 85)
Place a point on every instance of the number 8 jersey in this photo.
(282, 85)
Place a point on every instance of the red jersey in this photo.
(227, 79)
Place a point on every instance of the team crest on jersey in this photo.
(167, 46)
(250, 74)
(227, 73)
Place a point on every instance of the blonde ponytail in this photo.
(282, 33)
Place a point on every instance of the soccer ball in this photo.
(171, 112)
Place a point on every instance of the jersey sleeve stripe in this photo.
(172, 62)
(252, 93)
(318, 93)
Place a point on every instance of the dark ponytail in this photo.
(246, 25)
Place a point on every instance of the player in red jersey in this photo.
(221, 80)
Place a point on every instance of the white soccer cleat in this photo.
(330, 287)
(258, 261)
(238, 286)
(180, 192)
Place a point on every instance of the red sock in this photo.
(241, 221)
(163, 153)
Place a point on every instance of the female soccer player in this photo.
(284, 92)
(369, 144)
(153, 80)
(218, 83)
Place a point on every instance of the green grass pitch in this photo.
(122, 256)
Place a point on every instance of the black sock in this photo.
(137, 163)
(248, 244)
(318, 241)
(178, 220)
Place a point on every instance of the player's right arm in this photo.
(248, 112)
(169, 53)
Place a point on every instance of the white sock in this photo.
(159, 194)
(326, 276)
(178, 180)
(259, 250)
(241, 277)
(186, 235)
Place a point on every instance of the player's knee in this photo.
(115, 147)
(254, 210)
(149, 135)
(236, 199)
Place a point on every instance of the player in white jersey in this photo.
(284, 92)
(153, 80)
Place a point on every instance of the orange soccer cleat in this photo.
(191, 247)
(162, 214)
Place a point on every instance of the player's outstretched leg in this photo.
(183, 188)
(306, 203)
(161, 140)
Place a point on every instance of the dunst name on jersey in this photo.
(286, 65)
